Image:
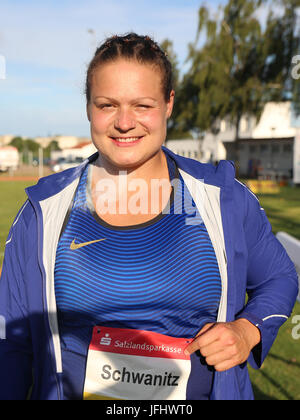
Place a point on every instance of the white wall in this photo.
(186, 147)
(275, 122)
(83, 152)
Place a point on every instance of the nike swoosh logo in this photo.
(75, 246)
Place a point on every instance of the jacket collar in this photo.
(221, 176)
(55, 183)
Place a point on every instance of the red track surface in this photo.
(18, 178)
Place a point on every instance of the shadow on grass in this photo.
(260, 395)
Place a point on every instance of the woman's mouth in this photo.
(126, 141)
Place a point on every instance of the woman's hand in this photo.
(225, 345)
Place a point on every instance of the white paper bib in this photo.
(129, 364)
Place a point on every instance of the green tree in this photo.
(289, 28)
(241, 65)
(175, 129)
(31, 146)
(50, 148)
(225, 70)
(18, 142)
(167, 46)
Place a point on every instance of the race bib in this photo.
(129, 364)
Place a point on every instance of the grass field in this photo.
(283, 210)
(279, 378)
(12, 197)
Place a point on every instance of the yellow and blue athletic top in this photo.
(160, 276)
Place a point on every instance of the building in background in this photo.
(6, 139)
(71, 156)
(190, 148)
(82, 150)
(9, 158)
(265, 148)
(64, 142)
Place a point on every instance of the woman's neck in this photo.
(133, 195)
(155, 167)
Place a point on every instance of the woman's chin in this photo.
(122, 163)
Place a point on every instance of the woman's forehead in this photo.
(129, 66)
(127, 76)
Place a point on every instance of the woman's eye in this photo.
(144, 106)
(105, 106)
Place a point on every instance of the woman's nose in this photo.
(125, 120)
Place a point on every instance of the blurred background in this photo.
(237, 81)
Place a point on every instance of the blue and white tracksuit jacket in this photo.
(251, 260)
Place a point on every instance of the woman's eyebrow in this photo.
(146, 97)
(134, 100)
(104, 97)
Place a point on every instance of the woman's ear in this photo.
(170, 104)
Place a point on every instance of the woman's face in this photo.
(128, 113)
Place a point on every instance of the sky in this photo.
(45, 47)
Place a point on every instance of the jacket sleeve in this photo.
(272, 281)
(15, 343)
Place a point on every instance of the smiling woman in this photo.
(129, 99)
(129, 92)
(169, 283)
(128, 125)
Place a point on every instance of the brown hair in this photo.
(132, 46)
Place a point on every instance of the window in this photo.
(264, 148)
(275, 148)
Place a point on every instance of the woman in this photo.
(126, 277)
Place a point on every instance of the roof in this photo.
(8, 148)
(268, 139)
(80, 145)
